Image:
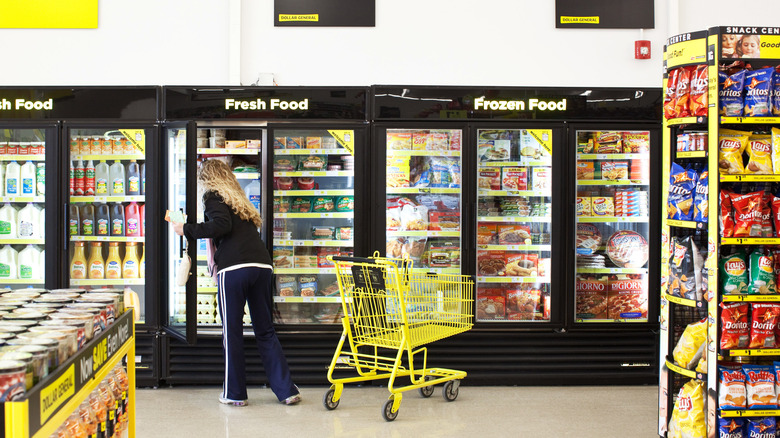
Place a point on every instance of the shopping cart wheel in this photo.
(327, 400)
(427, 391)
(450, 390)
(387, 411)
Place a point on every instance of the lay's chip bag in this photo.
(682, 183)
(757, 87)
(730, 91)
(700, 204)
(688, 412)
(759, 148)
(762, 427)
(732, 428)
(775, 150)
(690, 343)
(731, 144)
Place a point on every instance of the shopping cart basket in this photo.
(390, 310)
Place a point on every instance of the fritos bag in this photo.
(730, 91)
(732, 394)
(757, 90)
(732, 428)
(747, 214)
(763, 321)
(760, 385)
(688, 412)
(726, 218)
(734, 273)
(759, 148)
(734, 331)
(701, 211)
(670, 94)
(698, 94)
(731, 144)
(682, 92)
(690, 343)
(682, 183)
(762, 273)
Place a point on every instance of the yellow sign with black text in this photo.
(686, 53)
(543, 137)
(299, 17)
(345, 138)
(580, 20)
(136, 137)
(48, 14)
(57, 393)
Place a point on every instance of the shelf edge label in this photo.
(57, 393)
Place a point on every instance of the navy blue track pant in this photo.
(252, 285)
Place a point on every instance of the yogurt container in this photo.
(40, 360)
(83, 319)
(26, 359)
(12, 380)
(70, 332)
(80, 326)
(52, 347)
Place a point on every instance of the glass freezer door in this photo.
(514, 219)
(613, 225)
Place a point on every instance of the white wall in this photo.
(446, 42)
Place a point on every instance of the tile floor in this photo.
(193, 412)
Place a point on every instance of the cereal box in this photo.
(603, 206)
(585, 170)
(514, 178)
(584, 206)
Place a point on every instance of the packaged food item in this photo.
(324, 252)
(307, 285)
(762, 274)
(420, 140)
(322, 204)
(763, 319)
(319, 232)
(455, 174)
(682, 183)
(685, 267)
(603, 206)
(486, 234)
(731, 144)
(286, 286)
(394, 246)
(697, 102)
(285, 163)
(491, 305)
(627, 298)
(440, 172)
(281, 204)
(591, 297)
(701, 209)
(627, 249)
(761, 427)
(280, 142)
(732, 428)
(344, 233)
(733, 273)
(295, 143)
(726, 218)
(301, 204)
(585, 170)
(489, 178)
(514, 235)
(494, 150)
(443, 221)
(735, 332)
(588, 239)
(757, 92)
(399, 141)
(283, 257)
(759, 148)
(636, 142)
(730, 89)
(345, 203)
(393, 218)
(414, 247)
(584, 206)
(398, 172)
(312, 163)
(688, 412)
(438, 141)
(491, 263)
(284, 183)
(514, 178)
(732, 394)
(313, 142)
(760, 385)
(776, 146)
(609, 142)
(689, 348)
(747, 214)
(682, 92)
(670, 94)
(541, 179)
(614, 170)
(414, 218)
(305, 183)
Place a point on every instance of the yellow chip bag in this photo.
(759, 148)
(731, 144)
(688, 413)
(776, 150)
(692, 339)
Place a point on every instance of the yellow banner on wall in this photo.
(48, 14)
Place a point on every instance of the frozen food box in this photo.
(514, 178)
(295, 143)
(591, 302)
(585, 170)
(420, 140)
(540, 178)
(614, 170)
(489, 178)
(636, 142)
(603, 206)
(494, 150)
(399, 141)
(438, 141)
(524, 304)
(584, 206)
(280, 142)
(486, 234)
(491, 305)
(443, 221)
(398, 172)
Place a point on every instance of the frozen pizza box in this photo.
(514, 178)
(592, 294)
(627, 298)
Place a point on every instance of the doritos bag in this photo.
(670, 94)
(732, 394)
(682, 183)
(697, 102)
(731, 144)
(682, 92)
(726, 214)
(767, 229)
(775, 93)
(734, 330)
(732, 428)
(757, 85)
(764, 427)
(747, 214)
(690, 344)
(730, 91)
(701, 211)
(688, 413)
(763, 319)
(760, 385)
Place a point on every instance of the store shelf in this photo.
(317, 173)
(247, 175)
(620, 320)
(422, 153)
(304, 271)
(617, 182)
(755, 352)
(426, 270)
(687, 121)
(20, 241)
(529, 163)
(314, 243)
(613, 156)
(108, 282)
(729, 413)
(750, 241)
(750, 120)
(691, 154)
(314, 192)
(36, 199)
(107, 239)
(612, 270)
(541, 248)
(612, 219)
(226, 151)
(344, 215)
(140, 198)
(21, 281)
(513, 279)
(423, 233)
(20, 157)
(541, 219)
(750, 298)
(416, 190)
(334, 299)
(685, 224)
(682, 301)
(206, 290)
(338, 151)
(107, 157)
(750, 178)
(685, 372)
(483, 193)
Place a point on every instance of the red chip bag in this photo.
(726, 217)
(766, 215)
(763, 322)
(697, 102)
(670, 94)
(682, 93)
(776, 215)
(747, 214)
(735, 332)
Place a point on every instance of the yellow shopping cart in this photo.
(390, 310)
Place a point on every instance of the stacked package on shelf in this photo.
(631, 203)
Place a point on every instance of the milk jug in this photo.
(8, 262)
(12, 175)
(28, 263)
(8, 222)
(101, 179)
(2, 179)
(42, 223)
(253, 193)
(29, 219)
(28, 178)
(117, 176)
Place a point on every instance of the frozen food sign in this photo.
(532, 104)
(24, 104)
(270, 104)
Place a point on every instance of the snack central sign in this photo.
(532, 104)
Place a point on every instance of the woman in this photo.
(244, 275)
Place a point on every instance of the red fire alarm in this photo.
(642, 49)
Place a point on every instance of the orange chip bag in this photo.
(698, 93)
(683, 91)
(731, 144)
(759, 148)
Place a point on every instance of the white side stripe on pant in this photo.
(225, 319)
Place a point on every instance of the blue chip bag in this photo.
(762, 427)
(757, 86)
(730, 91)
(700, 204)
(775, 94)
(682, 183)
(731, 428)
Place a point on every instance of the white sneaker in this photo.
(227, 401)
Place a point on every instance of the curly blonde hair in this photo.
(217, 177)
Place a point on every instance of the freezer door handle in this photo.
(66, 235)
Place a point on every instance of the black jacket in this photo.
(237, 241)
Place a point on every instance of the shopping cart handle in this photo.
(353, 259)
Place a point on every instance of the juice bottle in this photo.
(101, 413)
(143, 219)
(132, 220)
(78, 176)
(40, 179)
(78, 264)
(133, 179)
(117, 147)
(89, 179)
(107, 400)
(95, 145)
(101, 179)
(72, 181)
(74, 145)
(28, 222)
(113, 262)
(117, 177)
(27, 173)
(12, 177)
(74, 223)
(106, 146)
(117, 220)
(130, 263)
(97, 267)
(28, 263)
(142, 264)
(102, 220)
(88, 220)
(143, 178)
(88, 419)
(8, 221)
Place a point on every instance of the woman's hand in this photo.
(178, 228)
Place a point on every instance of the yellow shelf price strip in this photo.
(684, 371)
